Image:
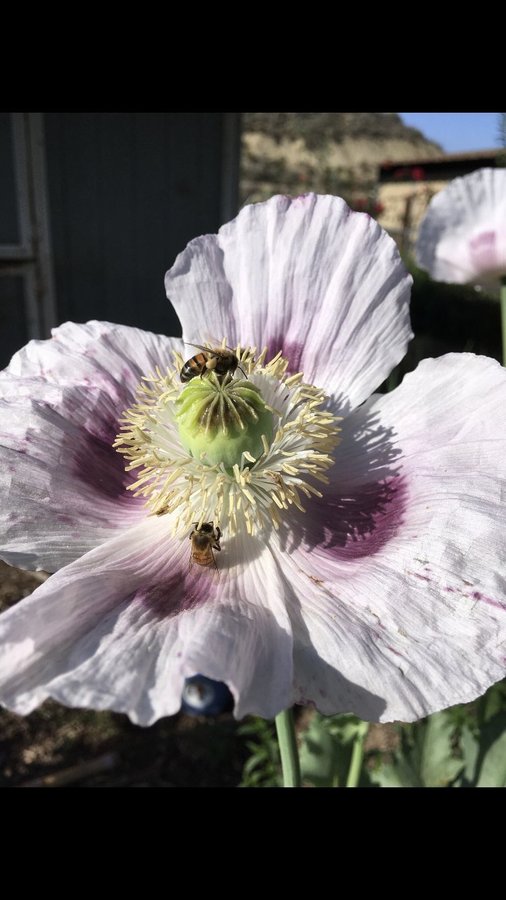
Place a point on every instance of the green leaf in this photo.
(346, 727)
(426, 757)
(469, 747)
(438, 763)
(251, 764)
(318, 756)
(491, 763)
(491, 703)
(398, 774)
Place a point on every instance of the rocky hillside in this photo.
(326, 152)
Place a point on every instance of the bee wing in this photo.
(199, 346)
(216, 347)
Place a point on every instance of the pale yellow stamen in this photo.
(256, 492)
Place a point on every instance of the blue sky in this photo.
(458, 132)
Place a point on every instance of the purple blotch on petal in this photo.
(483, 251)
(353, 525)
(477, 595)
(65, 519)
(183, 590)
(351, 522)
(94, 460)
(393, 650)
(291, 350)
(102, 468)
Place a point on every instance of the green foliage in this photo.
(483, 742)
(464, 746)
(448, 318)
(263, 766)
(426, 757)
(327, 747)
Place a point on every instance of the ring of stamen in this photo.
(254, 492)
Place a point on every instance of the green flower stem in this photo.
(288, 749)
(503, 319)
(357, 757)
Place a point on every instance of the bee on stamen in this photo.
(204, 540)
(217, 360)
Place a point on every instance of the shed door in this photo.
(26, 287)
(95, 207)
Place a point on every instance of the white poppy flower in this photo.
(462, 236)
(385, 597)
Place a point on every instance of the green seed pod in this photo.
(219, 419)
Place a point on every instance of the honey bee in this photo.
(217, 360)
(204, 540)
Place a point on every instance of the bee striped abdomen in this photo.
(193, 367)
(204, 540)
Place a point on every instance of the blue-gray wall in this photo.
(126, 192)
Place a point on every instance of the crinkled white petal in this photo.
(306, 276)
(462, 237)
(100, 354)
(396, 581)
(63, 486)
(124, 626)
